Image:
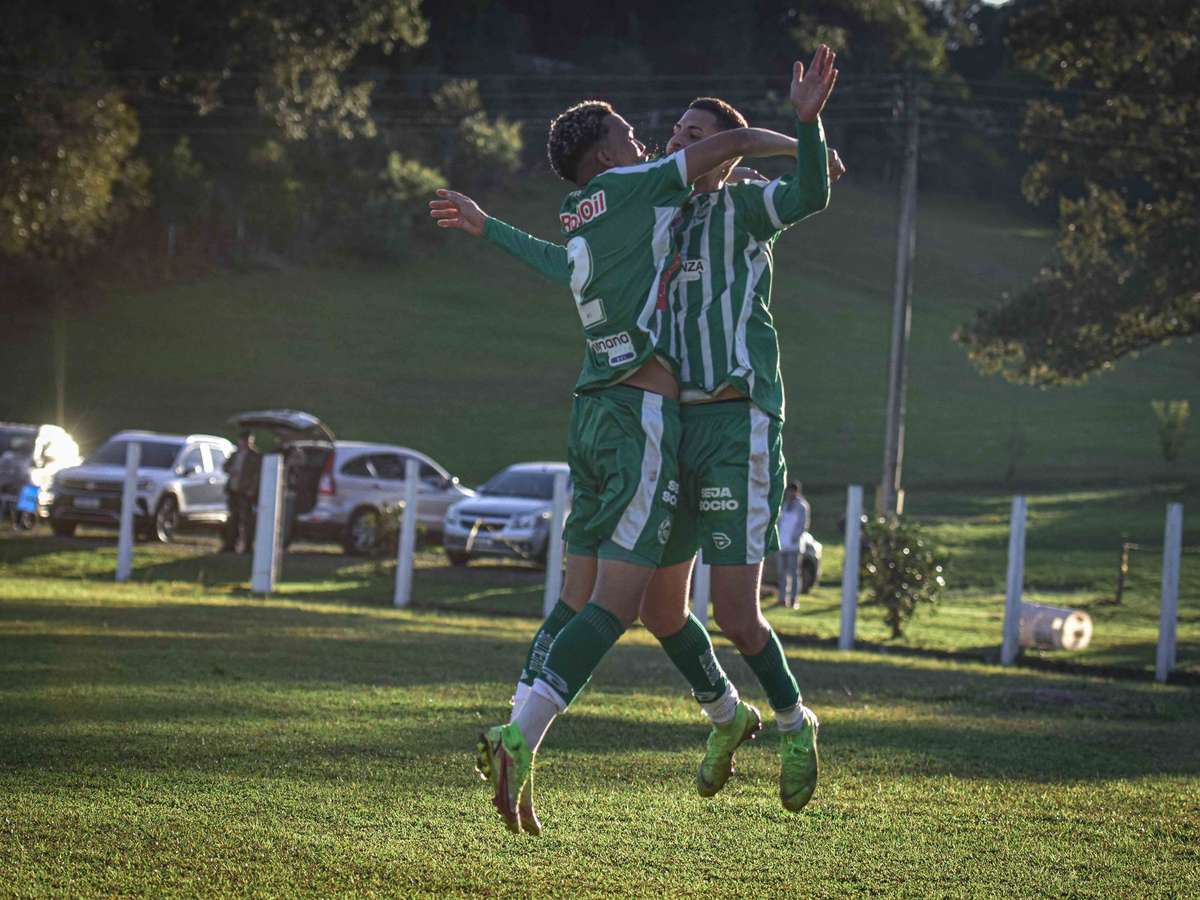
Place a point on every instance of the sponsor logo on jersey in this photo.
(721, 540)
(693, 265)
(717, 499)
(664, 531)
(671, 495)
(589, 208)
(617, 347)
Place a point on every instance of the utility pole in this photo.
(59, 333)
(906, 246)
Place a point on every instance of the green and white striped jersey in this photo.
(720, 331)
(618, 242)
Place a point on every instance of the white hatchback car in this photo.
(360, 480)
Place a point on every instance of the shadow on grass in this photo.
(253, 689)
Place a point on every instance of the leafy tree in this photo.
(901, 569)
(1117, 146)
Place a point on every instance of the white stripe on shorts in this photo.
(637, 513)
(758, 487)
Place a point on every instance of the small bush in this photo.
(1172, 416)
(900, 568)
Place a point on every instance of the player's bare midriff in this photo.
(655, 377)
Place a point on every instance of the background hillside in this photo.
(462, 353)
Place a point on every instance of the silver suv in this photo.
(30, 455)
(362, 480)
(510, 517)
(181, 480)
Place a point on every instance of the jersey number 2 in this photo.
(591, 312)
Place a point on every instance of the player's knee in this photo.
(661, 620)
(746, 630)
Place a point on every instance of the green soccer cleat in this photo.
(717, 765)
(529, 819)
(799, 763)
(504, 759)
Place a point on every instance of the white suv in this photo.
(510, 517)
(361, 481)
(181, 479)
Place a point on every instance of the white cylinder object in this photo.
(408, 535)
(554, 548)
(133, 459)
(850, 564)
(1054, 627)
(264, 567)
(701, 590)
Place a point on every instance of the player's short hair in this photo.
(572, 133)
(727, 117)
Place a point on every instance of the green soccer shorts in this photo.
(732, 475)
(622, 447)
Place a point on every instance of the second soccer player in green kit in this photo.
(624, 425)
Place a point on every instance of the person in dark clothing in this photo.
(241, 493)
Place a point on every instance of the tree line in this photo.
(268, 129)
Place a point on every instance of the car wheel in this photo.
(166, 519)
(808, 576)
(63, 529)
(362, 534)
(457, 557)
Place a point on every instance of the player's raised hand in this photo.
(811, 89)
(455, 210)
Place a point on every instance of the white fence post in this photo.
(850, 564)
(264, 569)
(1168, 611)
(554, 545)
(1016, 580)
(133, 458)
(701, 590)
(408, 534)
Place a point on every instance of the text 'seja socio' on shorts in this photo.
(732, 474)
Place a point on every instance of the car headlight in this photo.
(530, 520)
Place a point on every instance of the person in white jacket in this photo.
(793, 522)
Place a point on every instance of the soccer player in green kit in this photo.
(615, 535)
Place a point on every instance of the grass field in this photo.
(167, 737)
(462, 353)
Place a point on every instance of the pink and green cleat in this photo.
(502, 758)
(723, 740)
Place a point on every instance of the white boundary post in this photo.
(554, 545)
(701, 590)
(1168, 612)
(1010, 645)
(408, 534)
(133, 458)
(264, 569)
(850, 564)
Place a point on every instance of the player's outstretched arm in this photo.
(704, 156)
(455, 210)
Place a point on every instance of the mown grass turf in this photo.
(165, 738)
(463, 353)
(1074, 542)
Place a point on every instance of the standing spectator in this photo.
(241, 492)
(793, 522)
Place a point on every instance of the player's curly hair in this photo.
(572, 133)
(727, 116)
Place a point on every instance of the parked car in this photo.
(181, 481)
(31, 455)
(359, 481)
(509, 517)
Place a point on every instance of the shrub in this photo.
(1172, 416)
(900, 568)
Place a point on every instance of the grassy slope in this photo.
(161, 738)
(463, 353)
